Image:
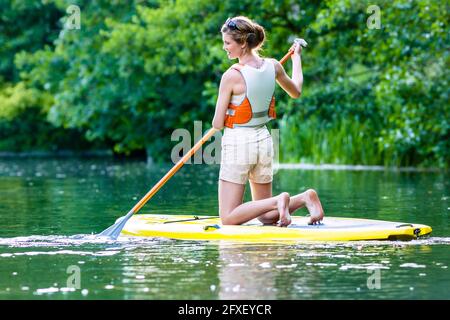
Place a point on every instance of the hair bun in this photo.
(259, 35)
(252, 39)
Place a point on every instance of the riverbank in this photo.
(55, 154)
(108, 154)
(310, 166)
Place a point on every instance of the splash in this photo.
(70, 241)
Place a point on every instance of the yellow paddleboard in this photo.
(210, 228)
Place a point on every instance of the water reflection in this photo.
(245, 272)
(324, 271)
(143, 268)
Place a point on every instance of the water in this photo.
(50, 210)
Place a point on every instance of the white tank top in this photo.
(260, 85)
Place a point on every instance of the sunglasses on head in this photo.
(231, 24)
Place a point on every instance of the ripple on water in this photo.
(63, 252)
(368, 266)
(129, 243)
(75, 240)
(412, 265)
(77, 245)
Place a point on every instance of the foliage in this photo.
(136, 71)
(25, 28)
(388, 83)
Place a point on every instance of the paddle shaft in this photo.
(172, 171)
(185, 158)
(286, 56)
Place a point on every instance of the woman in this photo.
(244, 105)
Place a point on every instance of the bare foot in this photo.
(314, 206)
(283, 209)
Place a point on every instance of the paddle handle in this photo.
(172, 171)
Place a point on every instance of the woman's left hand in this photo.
(297, 47)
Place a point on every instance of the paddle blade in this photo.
(114, 231)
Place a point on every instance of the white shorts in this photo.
(247, 154)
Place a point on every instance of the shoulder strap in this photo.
(237, 67)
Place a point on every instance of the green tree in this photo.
(26, 27)
(136, 71)
(377, 92)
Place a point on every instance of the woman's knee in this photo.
(228, 220)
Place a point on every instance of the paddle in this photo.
(114, 230)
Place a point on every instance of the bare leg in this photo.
(281, 214)
(314, 206)
(283, 209)
(308, 199)
(231, 195)
(263, 191)
(233, 211)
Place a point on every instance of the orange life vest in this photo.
(243, 113)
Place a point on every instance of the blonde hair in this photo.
(243, 30)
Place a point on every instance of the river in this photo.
(51, 209)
